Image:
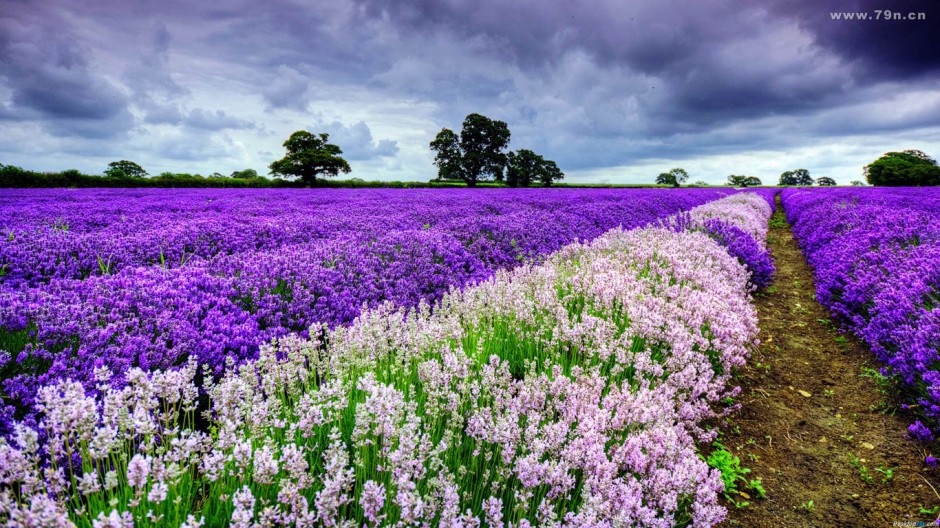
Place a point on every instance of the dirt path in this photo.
(812, 427)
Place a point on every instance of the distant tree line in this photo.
(907, 168)
(128, 174)
(479, 153)
(12, 176)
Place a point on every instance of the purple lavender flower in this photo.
(875, 254)
(919, 431)
(743, 247)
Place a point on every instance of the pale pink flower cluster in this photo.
(572, 393)
(747, 211)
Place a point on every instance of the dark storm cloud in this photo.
(590, 84)
(50, 79)
(706, 62)
(147, 75)
(689, 51)
(890, 47)
(649, 36)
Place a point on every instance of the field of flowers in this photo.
(570, 390)
(876, 258)
(124, 278)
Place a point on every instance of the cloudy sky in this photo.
(613, 90)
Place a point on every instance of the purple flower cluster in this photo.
(148, 278)
(745, 248)
(876, 258)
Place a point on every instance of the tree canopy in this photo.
(908, 168)
(798, 177)
(247, 173)
(743, 181)
(524, 168)
(674, 177)
(825, 181)
(308, 156)
(125, 169)
(448, 157)
(477, 154)
(550, 173)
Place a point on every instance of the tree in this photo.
(525, 168)
(856, 183)
(665, 178)
(825, 181)
(125, 169)
(798, 177)
(72, 176)
(448, 157)
(908, 168)
(522, 167)
(11, 175)
(550, 173)
(744, 181)
(700, 183)
(244, 174)
(309, 155)
(674, 177)
(482, 141)
(477, 154)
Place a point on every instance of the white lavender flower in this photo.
(138, 470)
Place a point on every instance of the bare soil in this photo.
(810, 421)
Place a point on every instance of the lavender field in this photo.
(97, 278)
(876, 256)
(512, 358)
(302, 358)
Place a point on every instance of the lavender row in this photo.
(151, 278)
(571, 393)
(76, 234)
(876, 258)
(737, 224)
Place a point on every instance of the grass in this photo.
(734, 476)
(887, 386)
(886, 472)
(11, 344)
(863, 471)
(778, 220)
